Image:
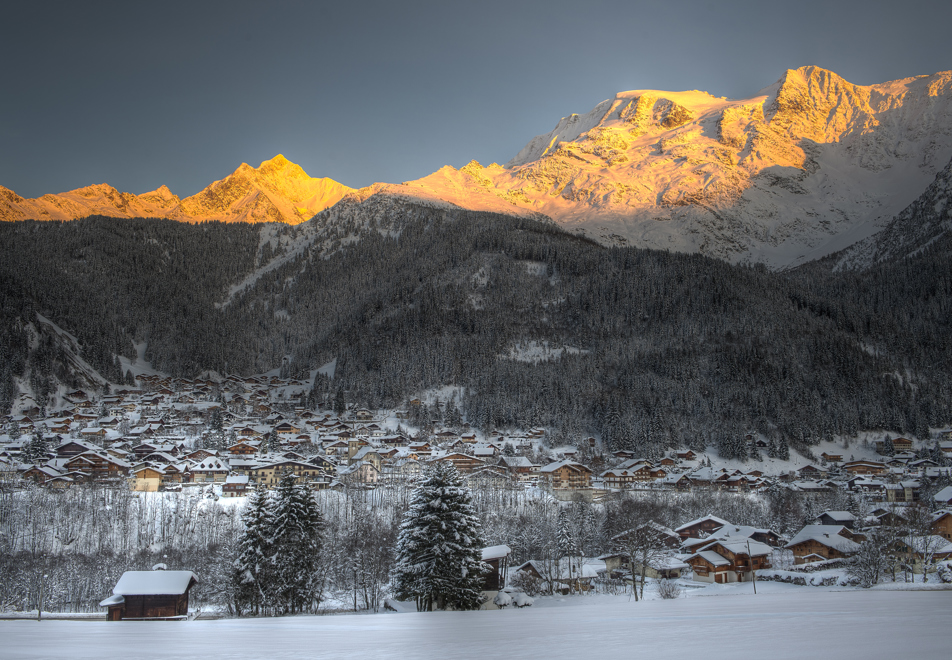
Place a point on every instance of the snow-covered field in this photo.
(783, 623)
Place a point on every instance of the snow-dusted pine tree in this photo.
(253, 580)
(297, 543)
(438, 554)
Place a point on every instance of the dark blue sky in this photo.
(180, 93)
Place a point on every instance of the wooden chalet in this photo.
(724, 561)
(821, 542)
(566, 474)
(942, 524)
(701, 527)
(463, 462)
(865, 467)
(150, 596)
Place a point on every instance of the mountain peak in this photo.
(278, 162)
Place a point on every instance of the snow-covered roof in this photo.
(712, 558)
(112, 600)
(715, 519)
(840, 516)
(742, 546)
(496, 552)
(140, 583)
(828, 535)
(944, 495)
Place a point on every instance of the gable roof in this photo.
(828, 535)
(158, 583)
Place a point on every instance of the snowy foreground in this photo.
(797, 623)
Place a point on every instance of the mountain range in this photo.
(801, 169)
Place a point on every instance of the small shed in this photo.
(497, 557)
(150, 596)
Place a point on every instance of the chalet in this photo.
(832, 458)
(566, 474)
(491, 476)
(150, 596)
(821, 542)
(865, 467)
(944, 497)
(899, 444)
(660, 535)
(268, 476)
(701, 527)
(98, 465)
(942, 524)
(494, 580)
(810, 472)
(146, 479)
(245, 448)
(922, 552)
(403, 469)
(286, 428)
(210, 470)
(520, 466)
(904, 491)
(72, 448)
(725, 561)
(363, 472)
(235, 485)
(337, 447)
(566, 575)
(844, 518)
(463, 462)
(734, 533)
(626, 476)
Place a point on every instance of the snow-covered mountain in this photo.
(802, 169)
(799, 170)
(275, 191)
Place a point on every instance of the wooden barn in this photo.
(150, 596)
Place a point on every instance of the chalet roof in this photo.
(572, 465)
(828, 535)
(516, 461)
(740, 546)
(154, 583)
(839, 516)
(712, 557)
(496, 552)
(944, 495)
(728, 533)
(715, 519)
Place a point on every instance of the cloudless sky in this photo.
(180, 93)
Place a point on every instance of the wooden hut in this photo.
(150, 596)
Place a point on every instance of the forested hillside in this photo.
(647, 348)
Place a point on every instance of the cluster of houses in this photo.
(714, 550)
(245, 432)
(238, 434)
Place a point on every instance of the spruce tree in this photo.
(298, 540)
(438, 554)
(253, 574)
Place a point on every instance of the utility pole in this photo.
(753, 575)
